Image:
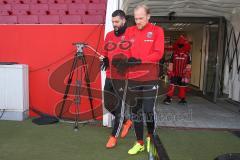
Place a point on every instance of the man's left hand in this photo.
(104, 63)
(134, 61)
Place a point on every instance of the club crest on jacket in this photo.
(149, 34)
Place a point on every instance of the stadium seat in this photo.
(52, 11)
(39, 1)
(56, 1)
(49, 19)
(4, 13)
(96, 6)
(6, 1)
(77, 6)
(92, 19)
(22, 1)
(57, 6)
(38, 12)
(28, 19)
(20, 6)
(19, 12)
(76, 12)
(71, 19)
(8, 19)
(57, 12)
(5, 7)
(91, 1)
(97, 12)
(73, 1)
(39, 6)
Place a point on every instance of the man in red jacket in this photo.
(115, 87)
(146, 50)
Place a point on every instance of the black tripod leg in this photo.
(77, 100)
(68, 84)
(87, 79)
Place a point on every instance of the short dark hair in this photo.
(119, 13)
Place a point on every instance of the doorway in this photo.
(206, 36)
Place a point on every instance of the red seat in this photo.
(7, 2)
(73, 1)
(71, 19)
(76, 12)
(38, 12)
(77, 6)
(3, 13)
(91, 1)
(39, 6)
(57, 12)
(58, 6)
(19, 12)
(97, 12)
(39, 1)
(92, 19)
(96, 6)
(49, 19)
(29, 19)
(8, 19)
(56, 1)
(52, 11)
(20, 7)
(22, 1)
(5, 7)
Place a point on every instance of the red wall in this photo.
(48, 51)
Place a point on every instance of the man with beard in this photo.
(116, 47)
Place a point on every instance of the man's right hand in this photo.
(120, 63)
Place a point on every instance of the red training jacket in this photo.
(114, 45)
(147, 45)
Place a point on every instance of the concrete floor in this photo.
(198, 113)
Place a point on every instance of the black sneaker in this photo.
(182, 101)
(167, 100)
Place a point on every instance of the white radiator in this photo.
(14, 92)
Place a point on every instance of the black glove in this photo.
(104, 64)
(133, 61)
(120, 62)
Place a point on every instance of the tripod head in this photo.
(79, 46)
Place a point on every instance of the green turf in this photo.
(27, 141)
(198, 145)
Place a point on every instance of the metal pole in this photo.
(219, 51)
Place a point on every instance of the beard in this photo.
(116, 28)
(118, 31)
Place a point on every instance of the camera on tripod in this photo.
(79, 55)
(80, 46)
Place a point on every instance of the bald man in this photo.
(145, 53)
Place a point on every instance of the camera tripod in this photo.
(83, 69)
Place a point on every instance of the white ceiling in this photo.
(193, 8)
(181, 27)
